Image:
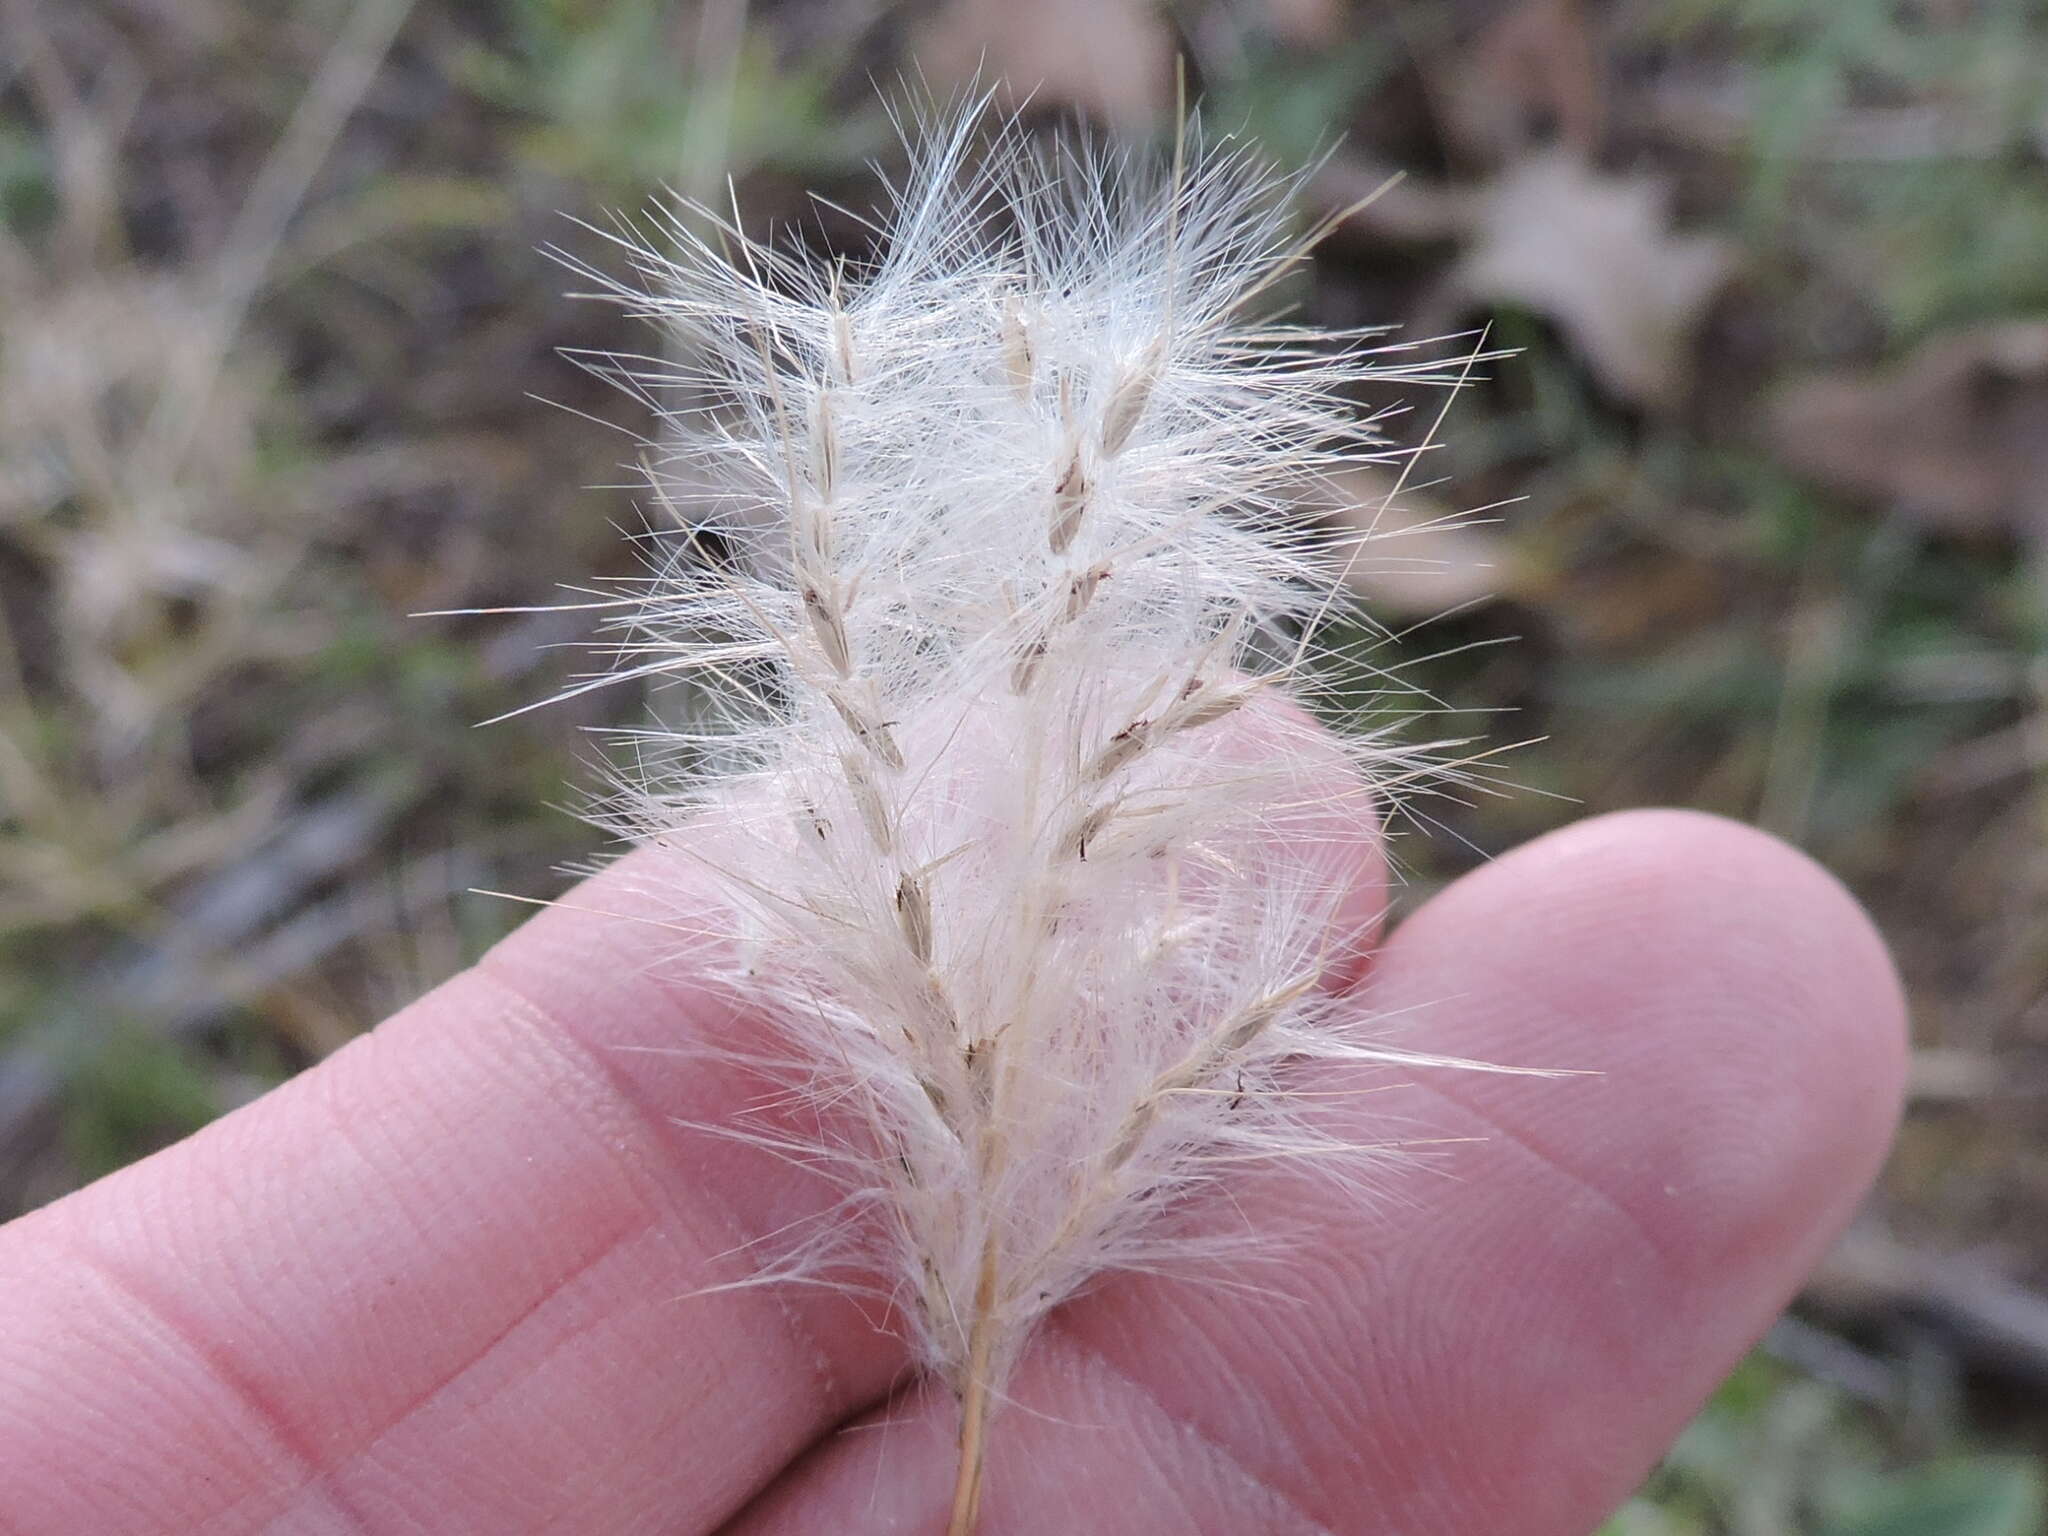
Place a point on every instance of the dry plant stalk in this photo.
(976, 550)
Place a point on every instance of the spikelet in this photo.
(988, 585)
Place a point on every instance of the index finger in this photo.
(461, 1276)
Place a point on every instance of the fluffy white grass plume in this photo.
(976, 551)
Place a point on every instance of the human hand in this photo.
(455, 1279)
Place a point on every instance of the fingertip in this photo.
(1816, 1016)
(1736, 1011)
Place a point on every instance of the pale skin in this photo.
(453, 1280)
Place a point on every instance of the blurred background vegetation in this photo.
(1768, 480)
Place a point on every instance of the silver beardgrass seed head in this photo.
(991, 579)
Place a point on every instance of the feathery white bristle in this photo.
(978, 549)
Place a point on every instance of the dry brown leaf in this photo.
(1955, 436)
(1304, 23)
(1416, 557)
(1113, 59)
(1595, 255)
(1531, 77)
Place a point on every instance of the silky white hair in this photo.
(971, 552)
